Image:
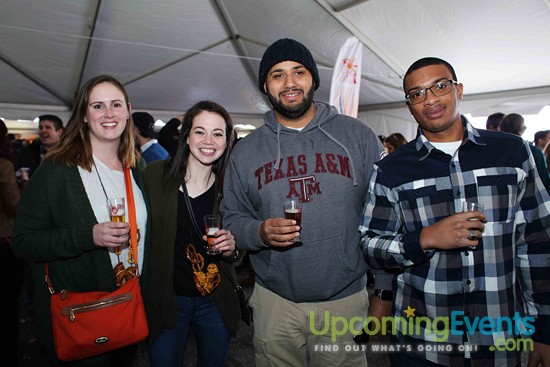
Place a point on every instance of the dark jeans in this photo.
(201, 314)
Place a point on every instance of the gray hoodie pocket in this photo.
(319, 269)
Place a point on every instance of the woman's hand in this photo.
(224, 242)
(111, 234)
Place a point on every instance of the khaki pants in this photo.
(307, 334)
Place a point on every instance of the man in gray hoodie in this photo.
(310, 298)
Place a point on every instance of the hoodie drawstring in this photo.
(355, 183)
(276, 165)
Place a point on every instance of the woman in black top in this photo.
(185, 287)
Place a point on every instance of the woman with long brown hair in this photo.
(63, 218)
(188, 289)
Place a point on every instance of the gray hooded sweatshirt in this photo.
(327, 165)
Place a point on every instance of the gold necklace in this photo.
(204, 282)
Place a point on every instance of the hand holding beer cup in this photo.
(293, 210)
(115, 232)
(212, 223)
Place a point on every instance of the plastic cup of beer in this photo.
(212, 223)
(117, 209)
(469, 206)
(293, 210)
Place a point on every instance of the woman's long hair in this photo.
(75, 147)
(178, 164)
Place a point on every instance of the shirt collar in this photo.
(144, 147)
(424, 147)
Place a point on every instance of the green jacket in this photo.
(54, 224)
(159, 295)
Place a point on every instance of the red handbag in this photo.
(86, 324)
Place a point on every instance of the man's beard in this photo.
(292, 112)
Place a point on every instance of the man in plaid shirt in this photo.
(459, 272)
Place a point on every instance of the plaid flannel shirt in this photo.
(418, 185)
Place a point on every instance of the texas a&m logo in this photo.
(301, 175)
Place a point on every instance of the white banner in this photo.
(346, 79)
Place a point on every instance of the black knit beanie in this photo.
(287, 49)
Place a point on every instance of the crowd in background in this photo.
(166, 137)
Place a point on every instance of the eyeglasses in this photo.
(439, 89)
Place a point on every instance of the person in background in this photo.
(63, 218)
(514, 123)
(16, 144)
(493, 121)
(11, 268)
(304, 150)
(50, 128)
(455, 265)
(145, 136)
(542, 138)
(168, 135)
(176, 301)
(394, 141)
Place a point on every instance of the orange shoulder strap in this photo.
(131, 213)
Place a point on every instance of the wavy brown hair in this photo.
(75, 148)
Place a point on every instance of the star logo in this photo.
(410, 311)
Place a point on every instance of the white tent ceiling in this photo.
(170, 54)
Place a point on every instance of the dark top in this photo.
(540, 162)
(168, 136)
(186, 234)
(31, 156)
(158, 272)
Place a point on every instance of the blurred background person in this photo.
(542, 138)
(514, 123)
(17, 146)
(11, 268)
(63, 218)
(50, 128)
(146, 137)
(393, 141)
(542, 141)
(169, 134)
(493, 121)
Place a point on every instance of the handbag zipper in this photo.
(71, 311)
